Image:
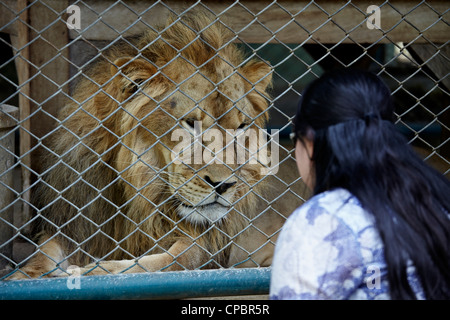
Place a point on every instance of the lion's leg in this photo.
(183, 254)
(45, 262)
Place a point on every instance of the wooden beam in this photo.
(284, 21)
(39, 39)
(21, 49)
(49, 56)
(8, 121)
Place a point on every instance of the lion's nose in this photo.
(219, 186)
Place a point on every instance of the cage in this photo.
(98, 96)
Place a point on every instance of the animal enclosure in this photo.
(152, 137)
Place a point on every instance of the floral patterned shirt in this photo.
(329, 248)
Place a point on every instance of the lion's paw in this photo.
(110, 267)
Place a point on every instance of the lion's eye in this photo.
(134, 86)
(243, 125)
(188, 124)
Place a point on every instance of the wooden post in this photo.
(43, 71)
(9, 116)
(49, 56)
(20, 43)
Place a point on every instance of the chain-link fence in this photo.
(143, 136)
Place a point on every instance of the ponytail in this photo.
(357, 147)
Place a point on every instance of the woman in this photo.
(378, 225)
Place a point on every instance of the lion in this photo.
(112, 200)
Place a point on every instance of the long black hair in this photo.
(349, 115)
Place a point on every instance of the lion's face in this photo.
(216, 101)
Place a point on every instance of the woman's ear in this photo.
(304, 149)
(309, 145)
(308, 142)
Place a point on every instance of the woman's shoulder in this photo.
(323, 230)
(336, 202)
(338, 206)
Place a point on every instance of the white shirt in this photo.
(329, 248)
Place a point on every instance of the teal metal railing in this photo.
(157, 285)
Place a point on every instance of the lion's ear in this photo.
(130, 72)
(258, 74)
(258, 77)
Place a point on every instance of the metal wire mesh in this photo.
(51, 47)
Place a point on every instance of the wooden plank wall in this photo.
(286, 21)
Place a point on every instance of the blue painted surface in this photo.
(158, 285)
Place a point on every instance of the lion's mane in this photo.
(89, 197)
